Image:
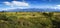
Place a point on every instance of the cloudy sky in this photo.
(21, 4)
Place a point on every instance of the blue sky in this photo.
(11, 4)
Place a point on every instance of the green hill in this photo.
(29, 20)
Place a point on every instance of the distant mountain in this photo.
(34, 10)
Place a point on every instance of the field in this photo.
(29, 20)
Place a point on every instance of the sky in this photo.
(23, 4)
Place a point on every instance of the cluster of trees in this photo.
(50, 21)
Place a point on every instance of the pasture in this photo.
(29, 20)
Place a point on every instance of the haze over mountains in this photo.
(33, 10)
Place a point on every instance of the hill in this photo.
(29, 20)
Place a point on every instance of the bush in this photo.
(12, 18)
(3, 17)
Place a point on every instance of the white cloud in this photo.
(7, 3)
(17, 3)
(57, 7)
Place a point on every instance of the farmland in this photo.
(29, 20)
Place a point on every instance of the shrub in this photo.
(3, 17)
(12, 18)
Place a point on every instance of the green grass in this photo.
(29, 20)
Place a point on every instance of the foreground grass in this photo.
(29, 20)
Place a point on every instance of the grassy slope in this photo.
(29, 20)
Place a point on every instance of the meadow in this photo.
(29, 20)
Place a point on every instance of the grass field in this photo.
(29, 20)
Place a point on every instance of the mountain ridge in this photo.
(33, 10)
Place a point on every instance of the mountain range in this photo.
(33, 10)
